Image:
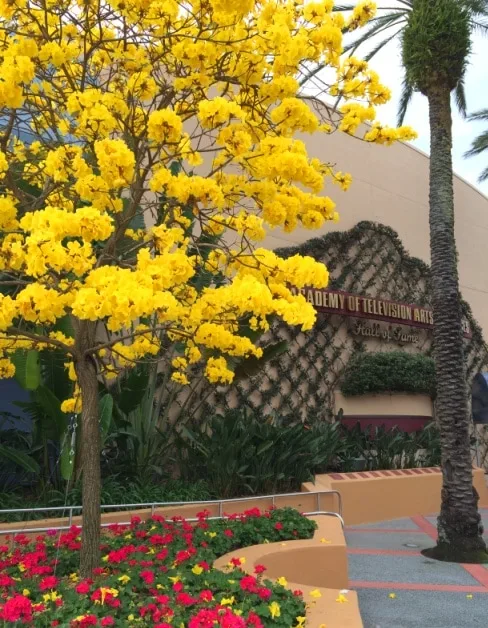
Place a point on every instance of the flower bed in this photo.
(158, 573)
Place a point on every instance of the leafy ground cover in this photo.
(157, 573)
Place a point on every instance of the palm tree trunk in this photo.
(459, 524)
(86, 372)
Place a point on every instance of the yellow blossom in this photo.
(124, 579)
(274, 610)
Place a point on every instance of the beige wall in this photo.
(390, 186)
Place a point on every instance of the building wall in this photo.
(390, 186)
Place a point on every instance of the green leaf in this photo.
(65, 326)
(54, 374)
(20, 458)
(51, 406)
(67, 462)
(252, 365)
(27, 368)
(134, 387)
(106, 410)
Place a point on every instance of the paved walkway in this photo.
(400, 588)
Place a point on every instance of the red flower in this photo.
(297, 593)
(278, 526)
(88, 620)
(162, 555)
(161, 539)
(18, 608)
(186, 599)
(158, 518)
(206, 595)
(248, 583)
(55, 622)
(178, 586)
(253, 620)
(259, 569)
(83, 587)
(147, 576)
(204, 514)
(6, 581)
(49, 582)
(264, 593)
(107, 621)
(228, 533)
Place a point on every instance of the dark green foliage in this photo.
(389, 372)
(114, 491)
(390, 448)
(242, 453)
(436, 43)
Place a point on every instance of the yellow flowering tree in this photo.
(145, 143)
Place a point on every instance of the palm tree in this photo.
(435, 37)
(480, 143)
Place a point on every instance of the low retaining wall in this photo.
(318, 564)
(371, 496)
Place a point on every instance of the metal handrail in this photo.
(189, 519)
(154, 505)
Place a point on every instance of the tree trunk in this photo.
(459, 524)
(86, 372)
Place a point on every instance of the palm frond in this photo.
(405, 98)
(480, 26)
(382, 44)
(376, 26)
(482, 114)
(483, 176)
(460, 97)
(478, 146)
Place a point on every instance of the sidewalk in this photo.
(400, 588)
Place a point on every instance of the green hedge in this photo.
(395, 371)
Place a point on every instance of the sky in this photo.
(387, 64)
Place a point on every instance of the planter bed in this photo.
(158, 573)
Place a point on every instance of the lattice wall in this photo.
(369, 260)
